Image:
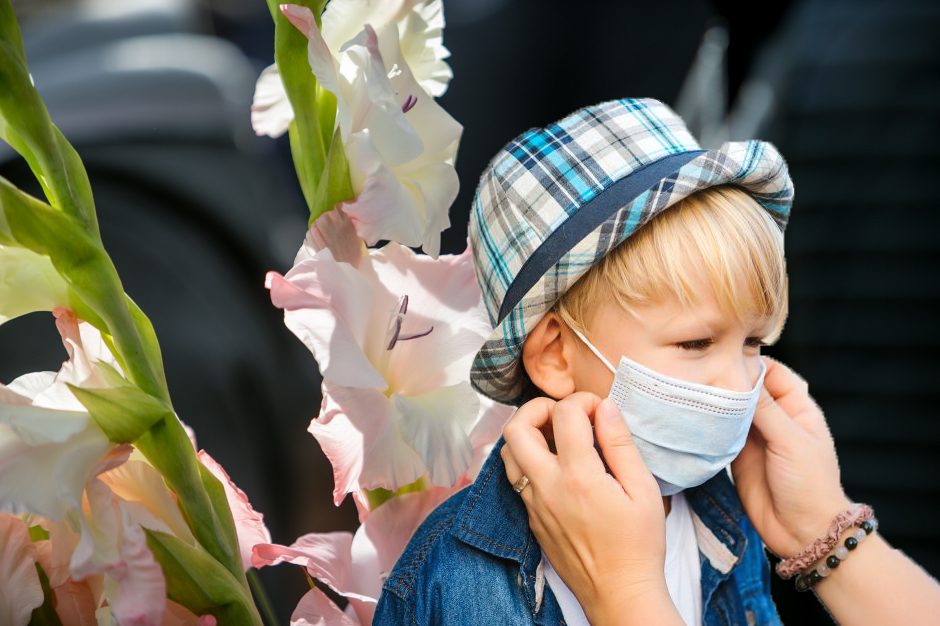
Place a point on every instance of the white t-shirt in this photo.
(682, 569)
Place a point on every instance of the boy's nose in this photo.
(738, 377)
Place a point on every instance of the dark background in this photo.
(194, 208)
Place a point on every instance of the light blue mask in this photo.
(686, 432)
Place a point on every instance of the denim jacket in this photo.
(474, 560)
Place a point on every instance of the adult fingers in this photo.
(525, 439)
(791, 393)
(770, 419)
(620, 452)
(571, 425)
(514, 472)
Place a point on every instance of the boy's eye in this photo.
(756, 342)
(701, 344)
(696, 344)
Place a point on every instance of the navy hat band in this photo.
(585, 220)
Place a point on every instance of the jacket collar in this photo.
(493, 518)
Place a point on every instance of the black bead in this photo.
(867, 527)
(814, 577)
(851, 543)
(801, 583)
(832, 561)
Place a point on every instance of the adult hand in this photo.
(604, 534)
(787, 475)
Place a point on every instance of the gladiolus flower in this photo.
(400, 144)
(394, 338)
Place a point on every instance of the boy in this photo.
(586, 198)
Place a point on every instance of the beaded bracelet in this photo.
(805, 581)
(789, 567)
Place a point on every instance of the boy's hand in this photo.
(605, 534)
(787, 475)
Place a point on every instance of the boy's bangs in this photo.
(719, 235)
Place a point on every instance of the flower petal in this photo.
(179, 615)
(37, 425)
(47, 479)
(300, 16)
(136, 591)
(357, 566)
(249, 524)
(443, 293)
(489, 425)
(28, 282)
(271, 112)
(358, 433)
(324, 555)
(383, 208)
(316, 609)
(381, 539)
(335, 230)
(329, 306)
(372, 102)
(113, 545)
(422, 45)
(420, 25)
(20, 590)
(86, 348)
(437, 424)
(75, 604)
(146, 497)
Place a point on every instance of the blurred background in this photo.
(194, 208)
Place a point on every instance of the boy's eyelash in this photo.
(701, 344)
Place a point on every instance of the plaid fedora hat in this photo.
(555, 200)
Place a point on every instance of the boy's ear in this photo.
(547, 358)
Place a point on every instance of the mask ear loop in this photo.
(595, 351)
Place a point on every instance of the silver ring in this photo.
(521, 484)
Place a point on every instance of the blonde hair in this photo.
(721, 232)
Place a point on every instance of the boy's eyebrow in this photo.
(712, 325)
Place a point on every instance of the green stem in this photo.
(261, 597)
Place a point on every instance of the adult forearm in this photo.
(878, 584)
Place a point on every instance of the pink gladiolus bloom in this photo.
(354, 566)
(420, 26)
(394, 338)
(49, 444)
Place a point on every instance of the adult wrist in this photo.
(806, 533)
(827, 551)
(638, 603)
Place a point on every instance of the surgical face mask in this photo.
(685, 432)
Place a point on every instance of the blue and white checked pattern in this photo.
(540, 179)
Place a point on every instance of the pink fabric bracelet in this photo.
(787, 568)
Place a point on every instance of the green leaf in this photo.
(26, 126)
(125, 412)
(66, 230)
(198, 582)
(10, 30)
(335, 185)
(80, 258)
(308, 138)
(168, 448)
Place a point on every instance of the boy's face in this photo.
(701, 344)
